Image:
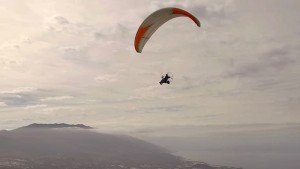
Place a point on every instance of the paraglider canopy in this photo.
(154, 21)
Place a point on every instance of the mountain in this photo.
(51, 146)
(56, 126)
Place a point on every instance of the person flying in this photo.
(165, 79)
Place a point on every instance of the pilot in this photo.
(167, 76)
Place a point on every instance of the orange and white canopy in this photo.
(154, 21)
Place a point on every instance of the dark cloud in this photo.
(60, 24)
(122, 31)
(270, 62)
(18, 100)
(74, 54)
(99, 35)
(279, 58)
(146, 130)
(174, 108)
(191, 83)
(18, 96)
(70, 49)
(22, 98)
(61, 20)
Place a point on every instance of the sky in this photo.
(73, 61)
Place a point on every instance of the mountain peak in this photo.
(55, 126)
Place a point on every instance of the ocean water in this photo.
(254, 147)
(246, 160)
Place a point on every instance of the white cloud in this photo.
(35, 106)
(106, 78)
(3, 104)
(57, 98)
(18, 90)
(57, 108)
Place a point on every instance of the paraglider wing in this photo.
(154, 21)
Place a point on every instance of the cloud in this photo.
(134, 98)
(203, 9)
(169, 109)
(148, 88)
(21, 96)
(60, 26)
(35, 106)
(73, 53)
(18, 90)
(56, 98)
(106, 78)
(56, 108)
(16, 44)
(70, 49)
(57, 23)
(270, 62)
(3, 104)
(99, 35)
(61, 20)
